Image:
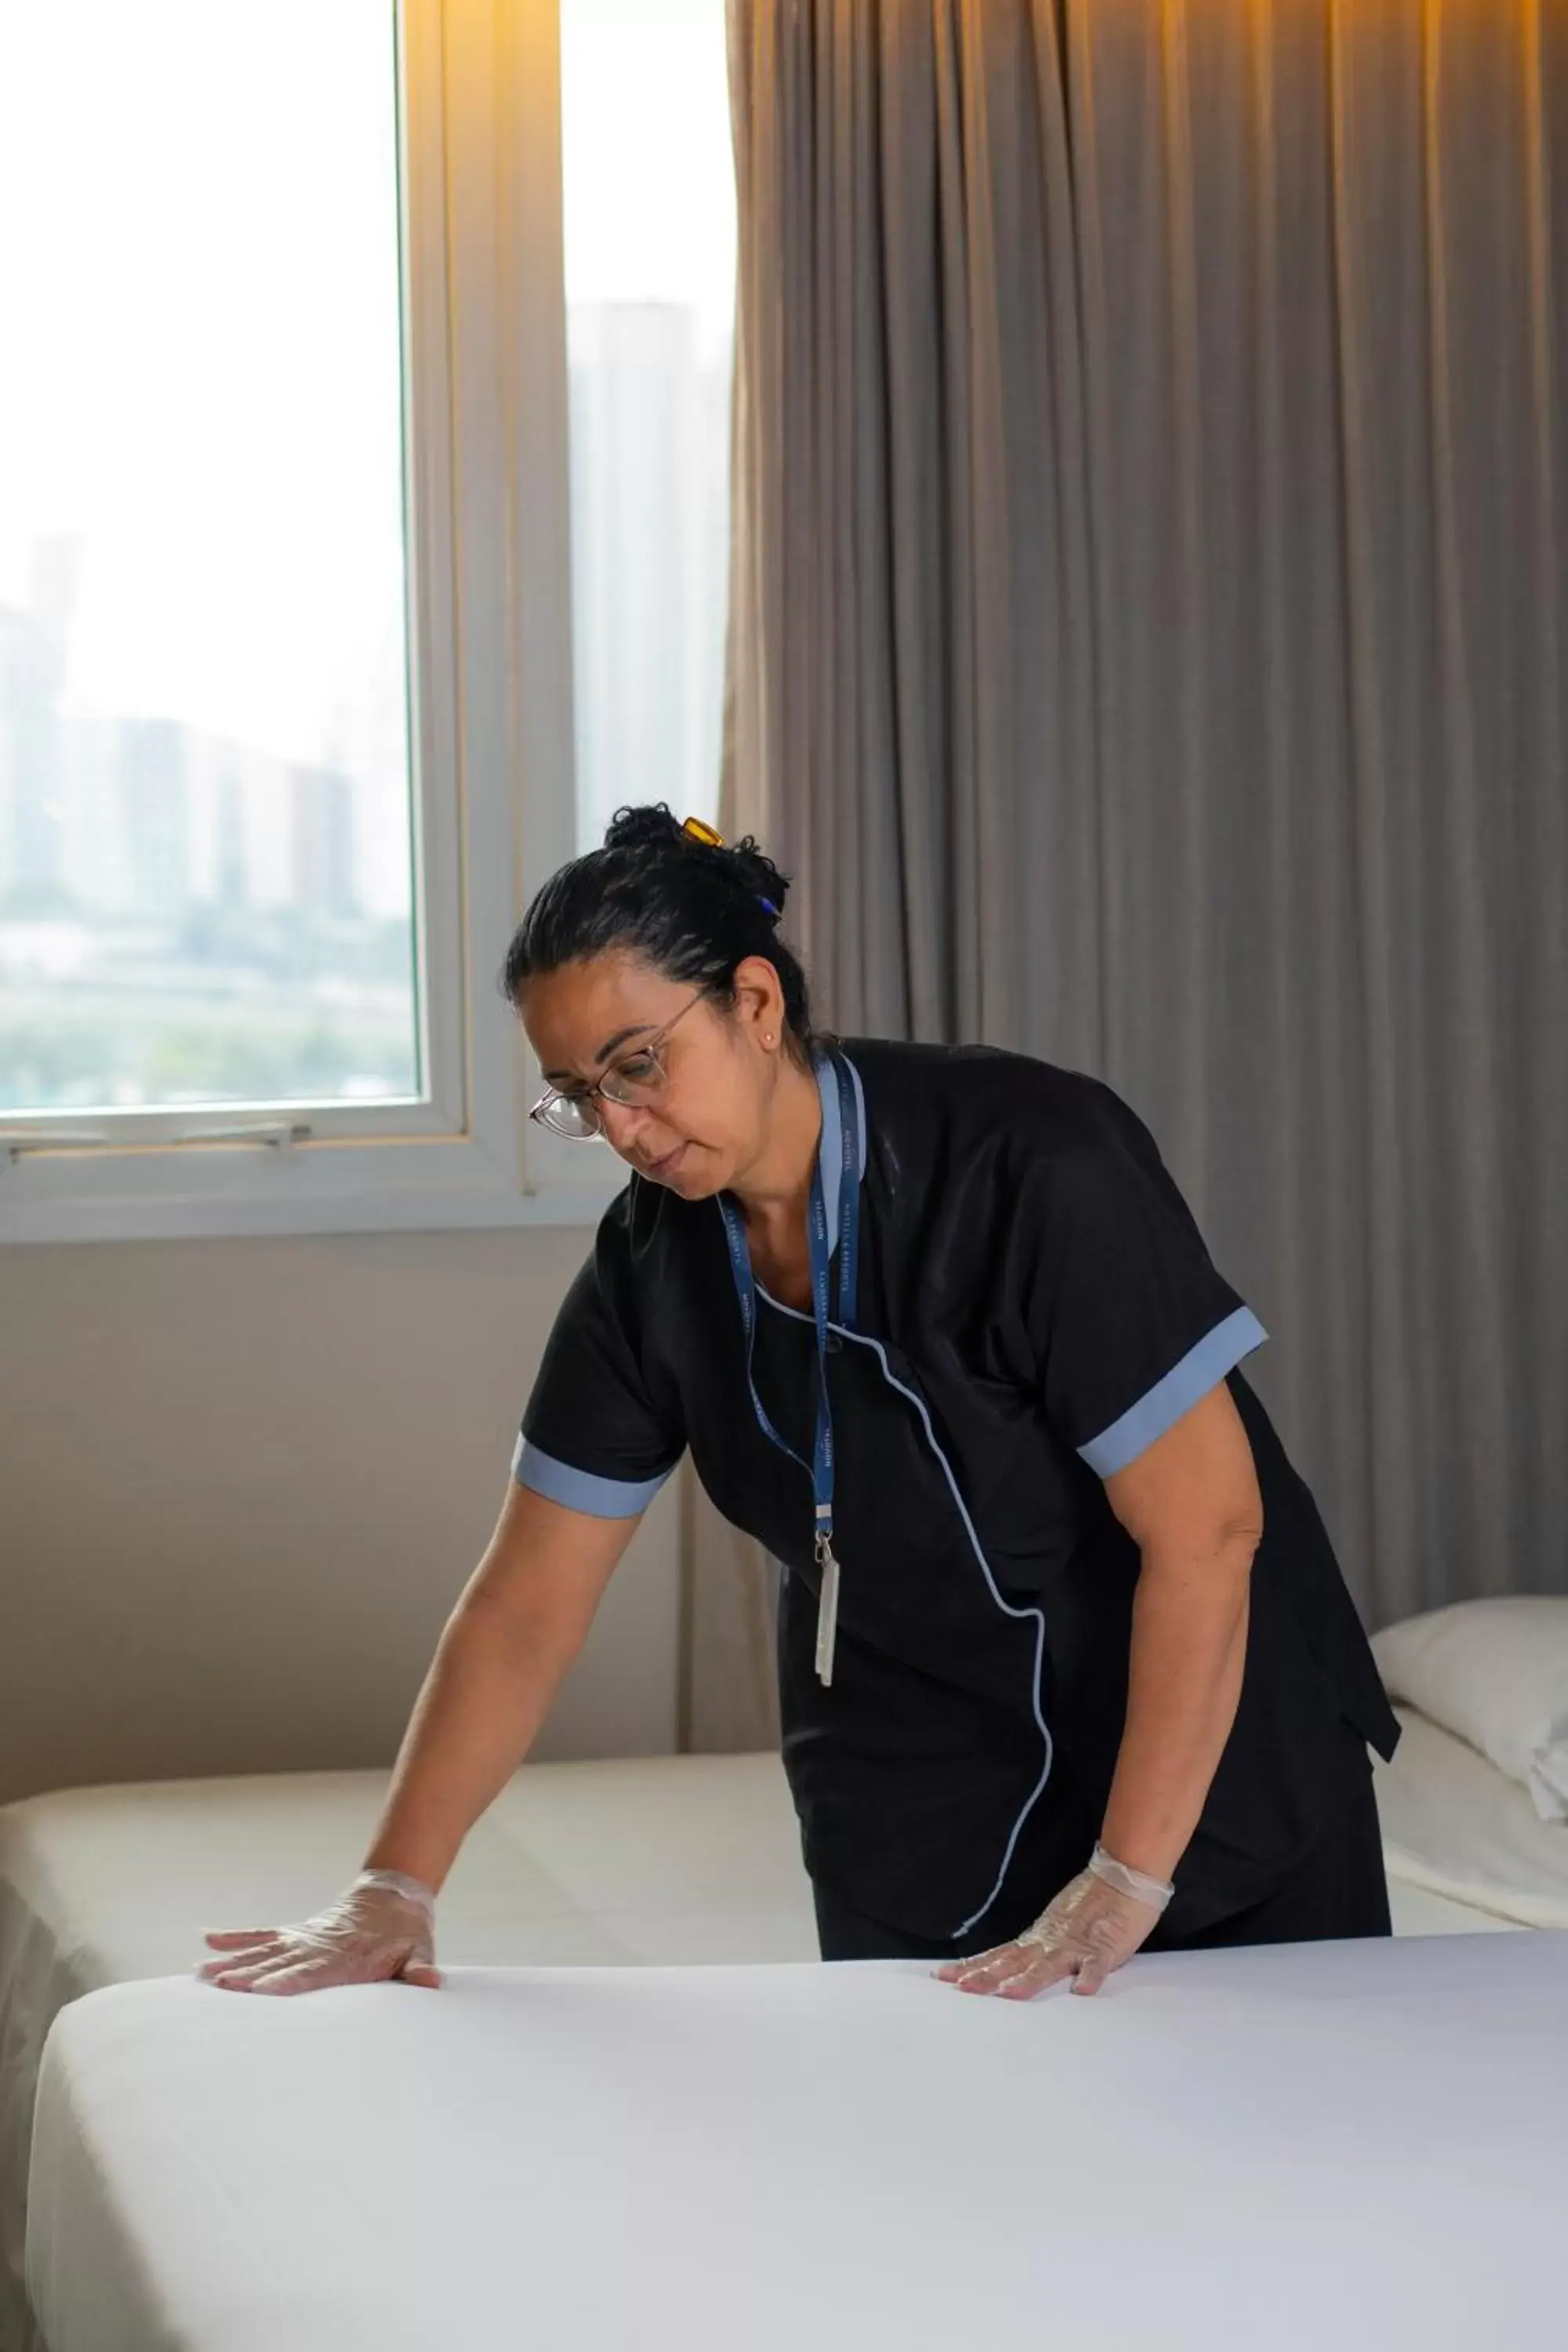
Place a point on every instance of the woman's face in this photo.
(710, 1121)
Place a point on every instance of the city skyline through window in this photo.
(206, 843)
(650, 236)
(206, 861)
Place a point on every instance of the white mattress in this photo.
(675, 1859)
(1457, 1832)
(1344, 2145)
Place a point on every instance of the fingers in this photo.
(983, 1971)
(1092, 1974)
(322, 1972)
(247, 1976)
(1048, 1965)
(253, 1955)
(1038, 1966)
(976, 1975)
(230, 1939)
(285, 1965)
(1018, 1971)
(292, 1971)
(316, 1973)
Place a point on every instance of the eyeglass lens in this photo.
(579, 1115)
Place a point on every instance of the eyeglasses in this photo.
(636, 1080)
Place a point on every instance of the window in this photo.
(300, 497)
(206, 870)
(650, 279)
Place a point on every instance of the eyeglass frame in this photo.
(541, 1110)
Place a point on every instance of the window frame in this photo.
(491, 716)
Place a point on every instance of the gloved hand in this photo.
(1098, 1920)
(382, 1926)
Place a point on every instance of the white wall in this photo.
(241, 1484)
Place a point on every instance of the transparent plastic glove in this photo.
(382, 1926)
(1097, 1921)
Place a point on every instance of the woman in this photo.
(1067, 1664)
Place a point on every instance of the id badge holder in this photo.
(826, 1610)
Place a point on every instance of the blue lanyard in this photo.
(821, 1466)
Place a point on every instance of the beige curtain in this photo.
(1147, 649)
(729, 1689)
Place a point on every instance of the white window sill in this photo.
(439, 1185)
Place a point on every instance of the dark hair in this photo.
(692, 909)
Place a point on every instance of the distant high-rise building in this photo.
(13, 630)
(229, 877)
(650, 496)
(156, 814)
(33, 649)
(321, 811)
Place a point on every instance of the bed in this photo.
(1354, 2145)
(1475, 1806)
(673, 1861)
(676, 1859)
(1464, 1846)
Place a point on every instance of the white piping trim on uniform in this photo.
(864, 1340)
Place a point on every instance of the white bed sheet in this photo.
(669, 1859)
(1456, 1830)
(673, 1860)
(1343, 2146)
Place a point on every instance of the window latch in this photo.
(273, 1134)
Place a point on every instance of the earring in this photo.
(767, 1041)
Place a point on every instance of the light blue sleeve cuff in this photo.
(1202, 1369)
(602, 1499)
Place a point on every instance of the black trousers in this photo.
(1340, 1889)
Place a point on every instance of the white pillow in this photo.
(1495, 1673)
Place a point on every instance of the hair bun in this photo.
(654, 825)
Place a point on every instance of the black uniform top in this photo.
(1035, 1307)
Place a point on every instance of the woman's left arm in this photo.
(1191, 1503)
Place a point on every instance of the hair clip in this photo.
(697, 831)
(770, 906)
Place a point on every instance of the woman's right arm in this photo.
(519, 1623)
(523, 1618)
